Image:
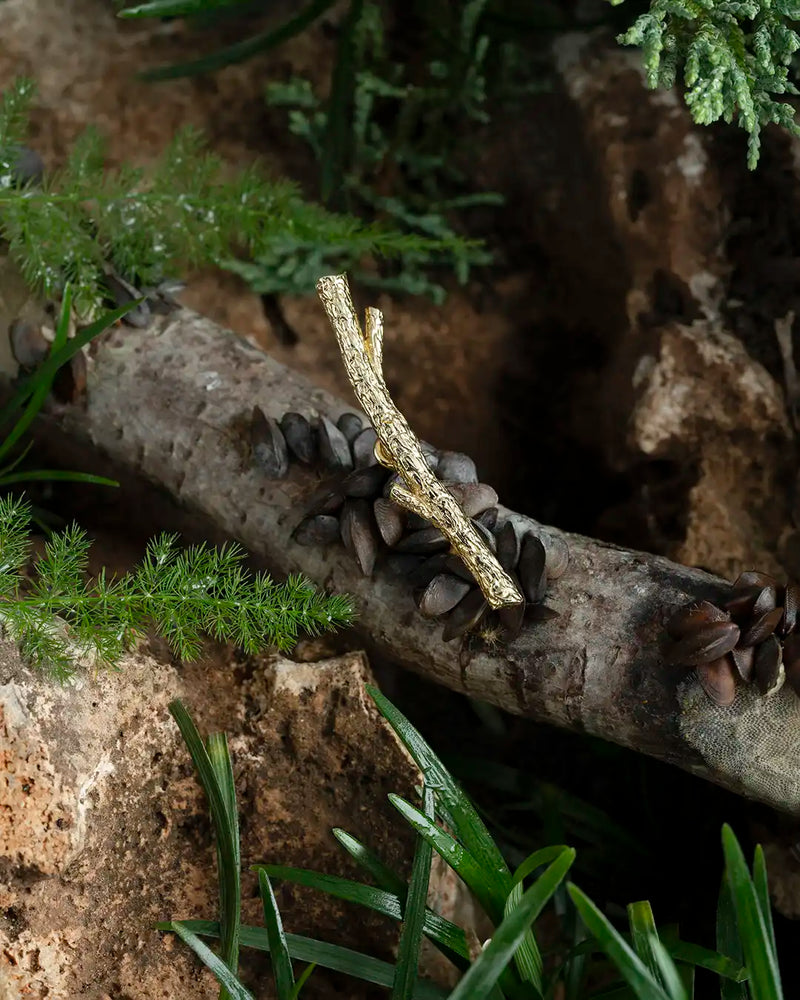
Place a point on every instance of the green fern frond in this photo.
(399, 160)
(15, 545)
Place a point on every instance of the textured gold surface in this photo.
(398, 447)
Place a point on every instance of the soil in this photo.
(517, 369)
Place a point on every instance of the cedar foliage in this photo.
(736, 58)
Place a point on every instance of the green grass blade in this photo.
(524, 793)
(62, 327)
(47, 370)
(528, 957)
(705, 958)
(386, 903)
(278, 948)
(647, 945)
(228, 862)
(668, 972)
(338, 137)
(55, 476)
(687, 974)
(225, 977)
(458, 857)
(22, 455)
(329, 956)
(575, 965)
(537, 860)
(202, 762)
(225, 825)
(36, 389)
(42, 384)
(176, 8)
(405, 974)
(35, 403)
(728, 942)
(468, 825)
(485, 972)
(303, 979)
(632, 968)
(760, 959)
(761, 883)
(446, 935)
(240, 51)
(386, 877)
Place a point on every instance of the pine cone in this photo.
(353, 506)
(751, 639)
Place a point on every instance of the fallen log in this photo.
(170, 404)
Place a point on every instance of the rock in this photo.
(636, 211)
(661, 186)
(103, 827)
(687, 410)
(704, 403)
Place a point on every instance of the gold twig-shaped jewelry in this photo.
(398, 448)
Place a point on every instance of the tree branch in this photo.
(166, 402)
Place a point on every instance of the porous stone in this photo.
(104, 830)
(704, 403)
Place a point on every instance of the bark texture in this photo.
(170, 404)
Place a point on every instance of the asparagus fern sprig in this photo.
(61, 618)
(184, 212)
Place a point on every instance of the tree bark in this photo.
(171, 403)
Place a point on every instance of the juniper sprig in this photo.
(736, 57)
(62, 619)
